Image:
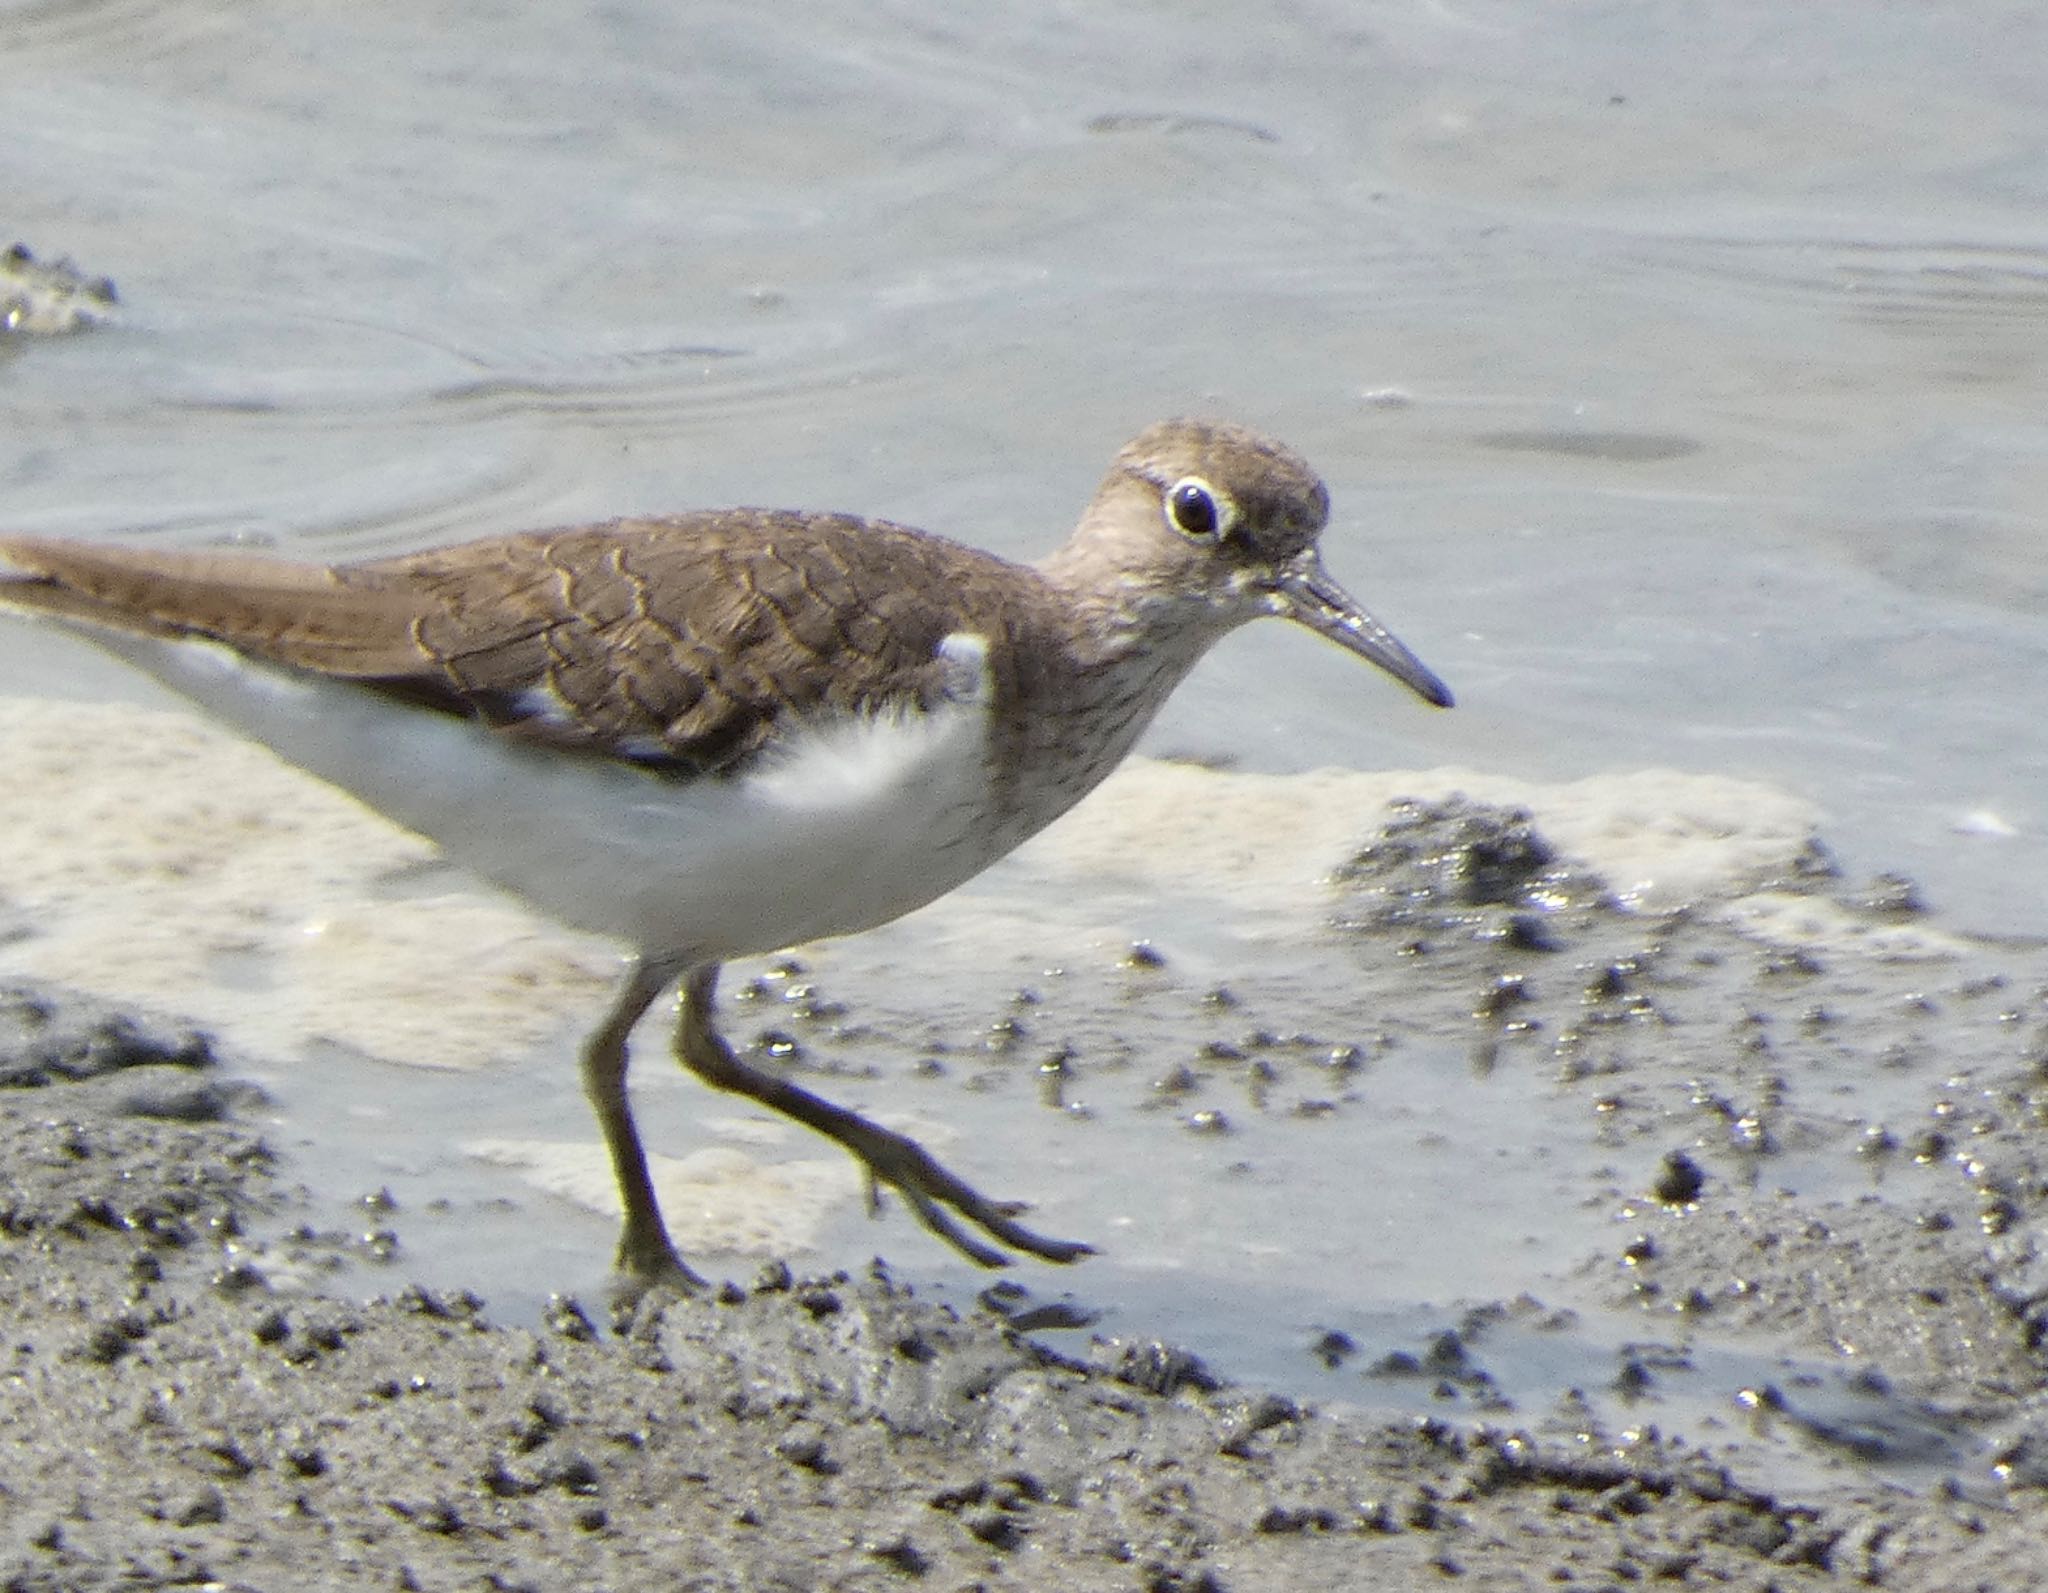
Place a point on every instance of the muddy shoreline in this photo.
(196, 1396)
(177, 1418)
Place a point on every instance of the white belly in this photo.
(855, 823)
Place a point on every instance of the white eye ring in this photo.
(1198, 511)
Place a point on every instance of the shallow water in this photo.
(1675, 374)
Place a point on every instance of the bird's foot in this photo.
(937, 1196)
(928, 1188)
(647, 1262)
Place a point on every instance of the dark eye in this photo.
(1193, 507)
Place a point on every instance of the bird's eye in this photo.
(1197, 510)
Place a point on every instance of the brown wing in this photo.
(682, 644)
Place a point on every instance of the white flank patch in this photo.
(969, 680)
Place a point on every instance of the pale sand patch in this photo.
(1265, 842)
(720, 1199)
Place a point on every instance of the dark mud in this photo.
(188, 1403)
(47, 298)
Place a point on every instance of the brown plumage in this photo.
(676, 644)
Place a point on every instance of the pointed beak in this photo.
(1303, 592)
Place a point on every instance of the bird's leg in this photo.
(646, 1257)
(889, 1158)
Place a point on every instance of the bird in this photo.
(722, 733)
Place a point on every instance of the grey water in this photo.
(1676, 373)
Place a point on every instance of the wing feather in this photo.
(684, 644)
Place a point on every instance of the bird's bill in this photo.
(1304, 593)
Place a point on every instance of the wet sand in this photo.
(197, 1396)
